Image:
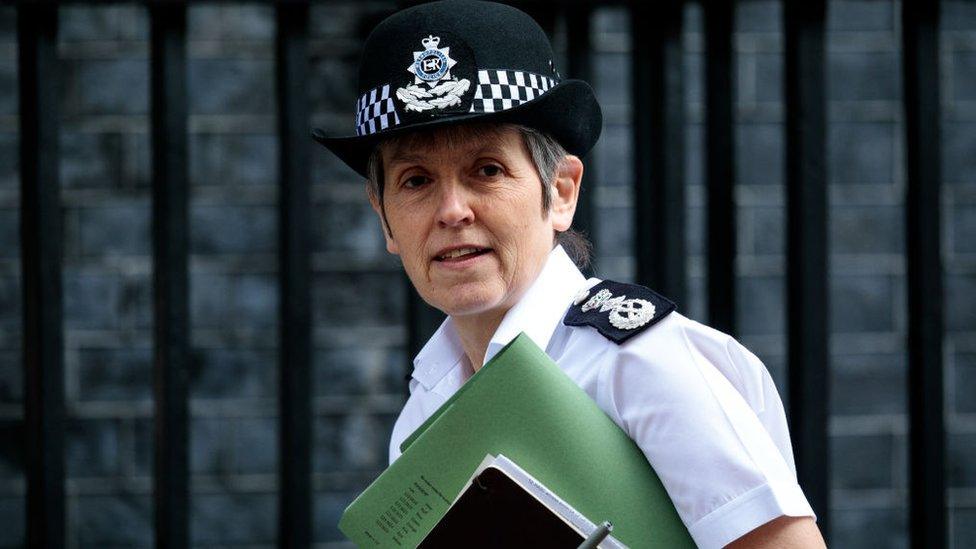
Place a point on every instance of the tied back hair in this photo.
(547, 155)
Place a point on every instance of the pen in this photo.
(596, 536)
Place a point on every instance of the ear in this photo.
(565, 192)
(374, 201)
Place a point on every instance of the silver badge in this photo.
(632, 313)
(432, 66)
(596, 300)
(625, 314)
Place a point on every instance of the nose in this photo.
(454, 207)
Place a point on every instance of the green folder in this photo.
(521, 405)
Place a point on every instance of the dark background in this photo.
(359, 297)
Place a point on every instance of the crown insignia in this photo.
(431, 42)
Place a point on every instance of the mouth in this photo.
(458, 254)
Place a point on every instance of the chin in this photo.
(467, 301)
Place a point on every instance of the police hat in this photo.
(459, 61)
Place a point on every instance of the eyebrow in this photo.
(405, 158)
(401, 157)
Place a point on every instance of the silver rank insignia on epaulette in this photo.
(626, 315)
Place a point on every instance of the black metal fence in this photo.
(659, 126)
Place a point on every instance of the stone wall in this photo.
(359, 295)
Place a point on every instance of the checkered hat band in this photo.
(375, 111)
(498, 90)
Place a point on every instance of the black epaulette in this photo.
(618, 311)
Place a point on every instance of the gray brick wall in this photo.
(358, 388)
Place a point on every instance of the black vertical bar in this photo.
(579, 50)
(807, 306)
(920, 40)
(719, 146)
(294, 397)
(40, 248)
(170, 236)
(659, 145)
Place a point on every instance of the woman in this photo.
(470, 142)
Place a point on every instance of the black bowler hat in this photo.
(459, 61)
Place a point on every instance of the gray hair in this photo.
(547, 154)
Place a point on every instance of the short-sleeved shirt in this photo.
(702, 408)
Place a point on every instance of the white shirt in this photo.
(701, 407)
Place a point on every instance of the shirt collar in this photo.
(537, 314)
(441, 353)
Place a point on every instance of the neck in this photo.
(475, 332)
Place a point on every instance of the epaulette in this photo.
(618, 311)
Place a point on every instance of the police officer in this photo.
(471, 142)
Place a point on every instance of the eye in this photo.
(490, 170)
(414, 181)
